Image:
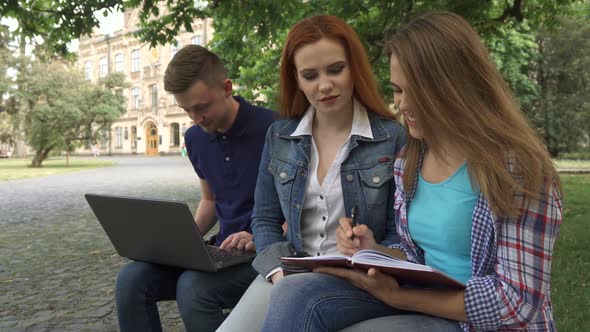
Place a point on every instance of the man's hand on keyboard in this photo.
(240, 241)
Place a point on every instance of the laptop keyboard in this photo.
(221, 255)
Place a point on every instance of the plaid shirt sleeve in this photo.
(401, 221)
(513, 295)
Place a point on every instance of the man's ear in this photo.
(228, 88)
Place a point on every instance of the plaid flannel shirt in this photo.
(511, 259)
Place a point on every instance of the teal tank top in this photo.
(439, 220)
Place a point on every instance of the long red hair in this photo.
(310, 30)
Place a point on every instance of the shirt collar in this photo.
(360, 122)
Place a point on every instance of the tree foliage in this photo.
(514, 50)
(523, 37)
(5, 61)
(56, 22)
(63, 110)
(7, 132)
(564, 79)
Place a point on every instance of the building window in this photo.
(118, 137)
(135, 97)
(133, 137)
(119, 62)
(200, 4)
(197, 40)
(154, 97)
(173, 49)
(103, 67)
(174, 134)
(135, 61)
(88, 70)
(104, 136)
(126, 136)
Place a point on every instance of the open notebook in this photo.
(404, 272)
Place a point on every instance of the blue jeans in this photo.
(319, 302)
(200, 296)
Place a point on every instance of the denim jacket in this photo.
(367, 183)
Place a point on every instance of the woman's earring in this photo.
(395, 109)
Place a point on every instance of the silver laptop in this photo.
(159, 231)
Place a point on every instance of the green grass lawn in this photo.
(18, 168)
(570, 280)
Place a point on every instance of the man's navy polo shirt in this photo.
(229, 163)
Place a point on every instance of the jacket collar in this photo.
(377, 128)
(360, 122)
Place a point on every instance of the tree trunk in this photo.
(542, 81)
(40, 156)
(20, 147)
(67, 158)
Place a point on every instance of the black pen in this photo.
(353, 217)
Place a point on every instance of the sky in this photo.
(108, 24)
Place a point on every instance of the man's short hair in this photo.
(193, 63)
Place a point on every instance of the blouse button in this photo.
(283, 175)
(376, 179)
(349, 178)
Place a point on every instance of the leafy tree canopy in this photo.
(60, 21)
(563, 109)
(57, 22)
(64, 111)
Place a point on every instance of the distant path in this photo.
(573, 170)
(57, 267)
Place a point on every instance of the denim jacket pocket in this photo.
(283, 174)
(375, 183)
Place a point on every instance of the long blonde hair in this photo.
(459, 94)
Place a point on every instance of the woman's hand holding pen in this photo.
(351, 239)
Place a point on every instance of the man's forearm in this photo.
(205, 217)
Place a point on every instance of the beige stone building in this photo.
(153, 124)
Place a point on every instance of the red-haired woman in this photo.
(477, 198)
(331, 154)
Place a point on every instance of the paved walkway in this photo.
(57, 267)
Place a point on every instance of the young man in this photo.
(224, 147)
